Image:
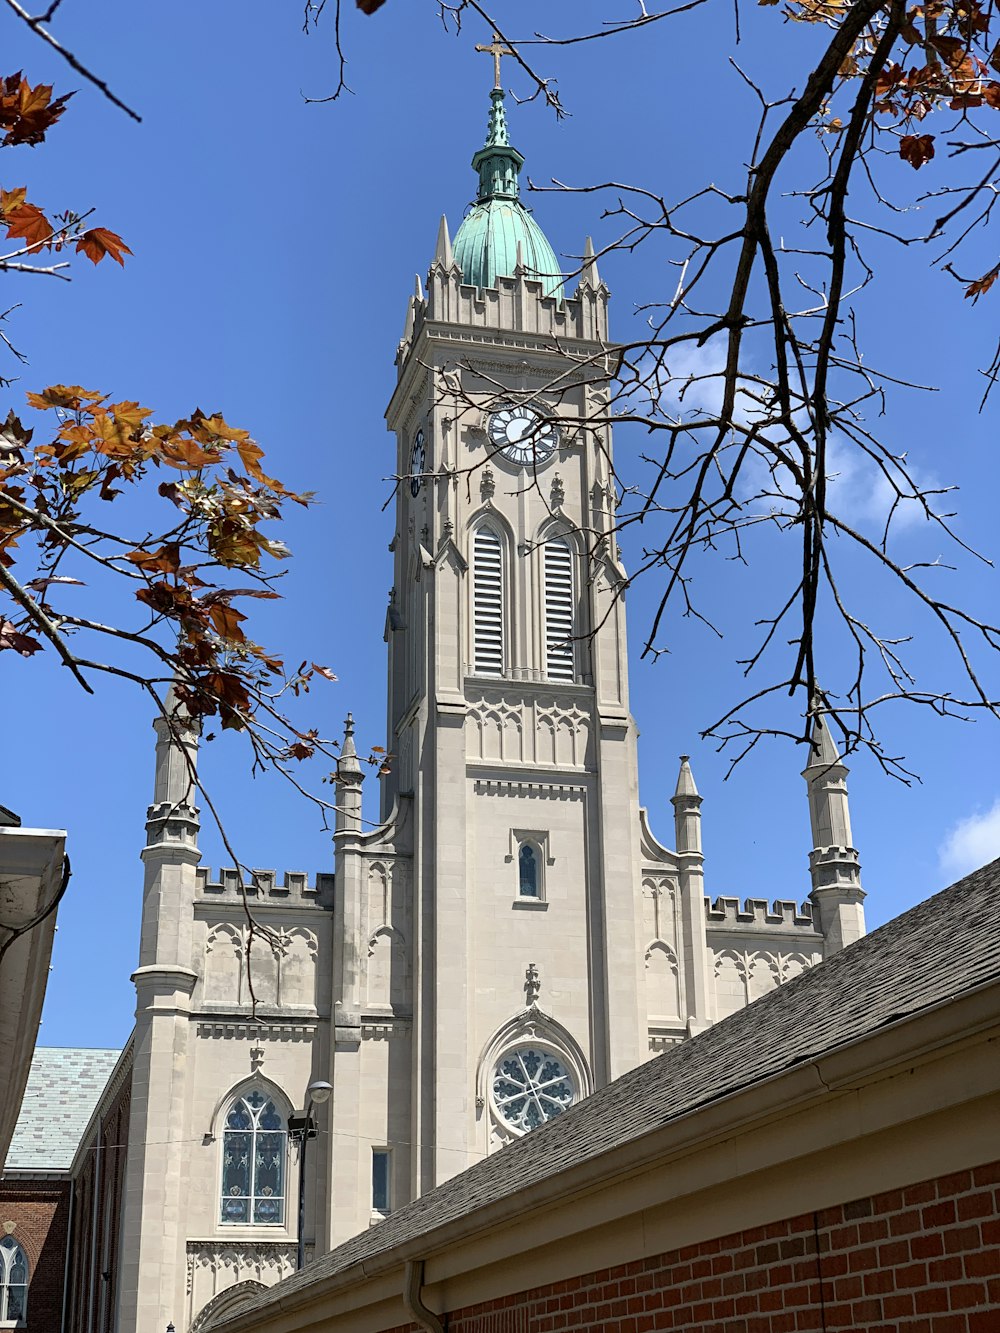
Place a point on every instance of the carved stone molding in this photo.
(249, 1030)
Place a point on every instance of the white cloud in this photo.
(971, 843)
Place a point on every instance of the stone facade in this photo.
(512, 916)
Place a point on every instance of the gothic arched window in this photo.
(559, 654)
(527, 871)
(13, 1282)
(488, 603)
(254, 1149)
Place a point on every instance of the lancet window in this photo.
(254, 1152)
(13, 1283)
(527, 871)
(489, 597)
(559, 645)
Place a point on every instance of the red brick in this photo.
(957, 1183)
(844, 1238)
(967, 1295)
(876, 1228)
(959, 1239)
(848, 1288)
(987, 1175)
(896, 1252)
(922, 1193)
(945, 1270)
(913, 1275)
(866, 1312)
(904, 1224)
(930, 1300)
(928, 1246)
(983, 1323)
(860, 1260)
(975, 1205)
(984, 1264)
(941, 1214)
(878, 1281)
(894, 1307)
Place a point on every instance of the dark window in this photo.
(527, 867)
(381, 1194)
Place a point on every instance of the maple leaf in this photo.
(12, 638)
(12, 434)
(982, 285)
(28, 222)
(10, 199)
(226, 621)
(323, 671)
(991, 95)
(916, 149)
(26, 112)
(71, 396)
(98, 242)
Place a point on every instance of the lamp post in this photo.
(317, 1092)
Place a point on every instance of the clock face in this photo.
(418, 460)
(522, 436)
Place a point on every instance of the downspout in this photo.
(95, 1214)
(414, 1280)
(69, 1252)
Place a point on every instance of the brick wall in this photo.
(925, 1259)
(36, 1214)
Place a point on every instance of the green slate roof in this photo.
(65, 1084)
(487, 242)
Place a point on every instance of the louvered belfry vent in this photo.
(559, 655)
(488, 603)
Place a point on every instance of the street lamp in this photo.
(303, 1126)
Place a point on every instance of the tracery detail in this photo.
(254, 1146)
(531, 1085)
(13, 1282)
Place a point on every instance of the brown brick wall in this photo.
(925, 1259)
(39, 1212)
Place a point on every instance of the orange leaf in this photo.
(72, 396)
(982, 285)
(226, 620)
(10, 199)
(99, 242)
(28, 222)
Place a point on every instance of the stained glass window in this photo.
(13, 1281)
(253, 1162)
(530, 1086)
(527, 871)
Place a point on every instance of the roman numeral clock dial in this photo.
(521, 436)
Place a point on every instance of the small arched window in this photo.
(254, 1150)
(13, 1282)
(488, 603)
(559, 646)
(527, 871)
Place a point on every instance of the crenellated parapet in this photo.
(262, 887)
(759, 914)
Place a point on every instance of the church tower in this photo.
(508, 703)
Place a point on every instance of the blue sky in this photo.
(275, 244)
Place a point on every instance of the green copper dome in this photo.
(487, 242)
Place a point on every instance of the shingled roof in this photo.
(64, 1086)
(944, 947)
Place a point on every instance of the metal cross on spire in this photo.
(496, 49)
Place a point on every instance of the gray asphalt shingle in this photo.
(938, 950)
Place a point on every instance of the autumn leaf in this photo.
(991, 95)
(370, 6)
(323, 671)
(71, 396)
(982, 285)
(11, 199)
(26, 112)
(12, 638)
(13, 434)
(98, 242)
(226, 621)
(916, 149)
(28, 222)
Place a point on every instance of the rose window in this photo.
(530, 1086)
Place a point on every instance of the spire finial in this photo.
(497, 49)
(442, 250)
(685, 778)
(589, 276)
